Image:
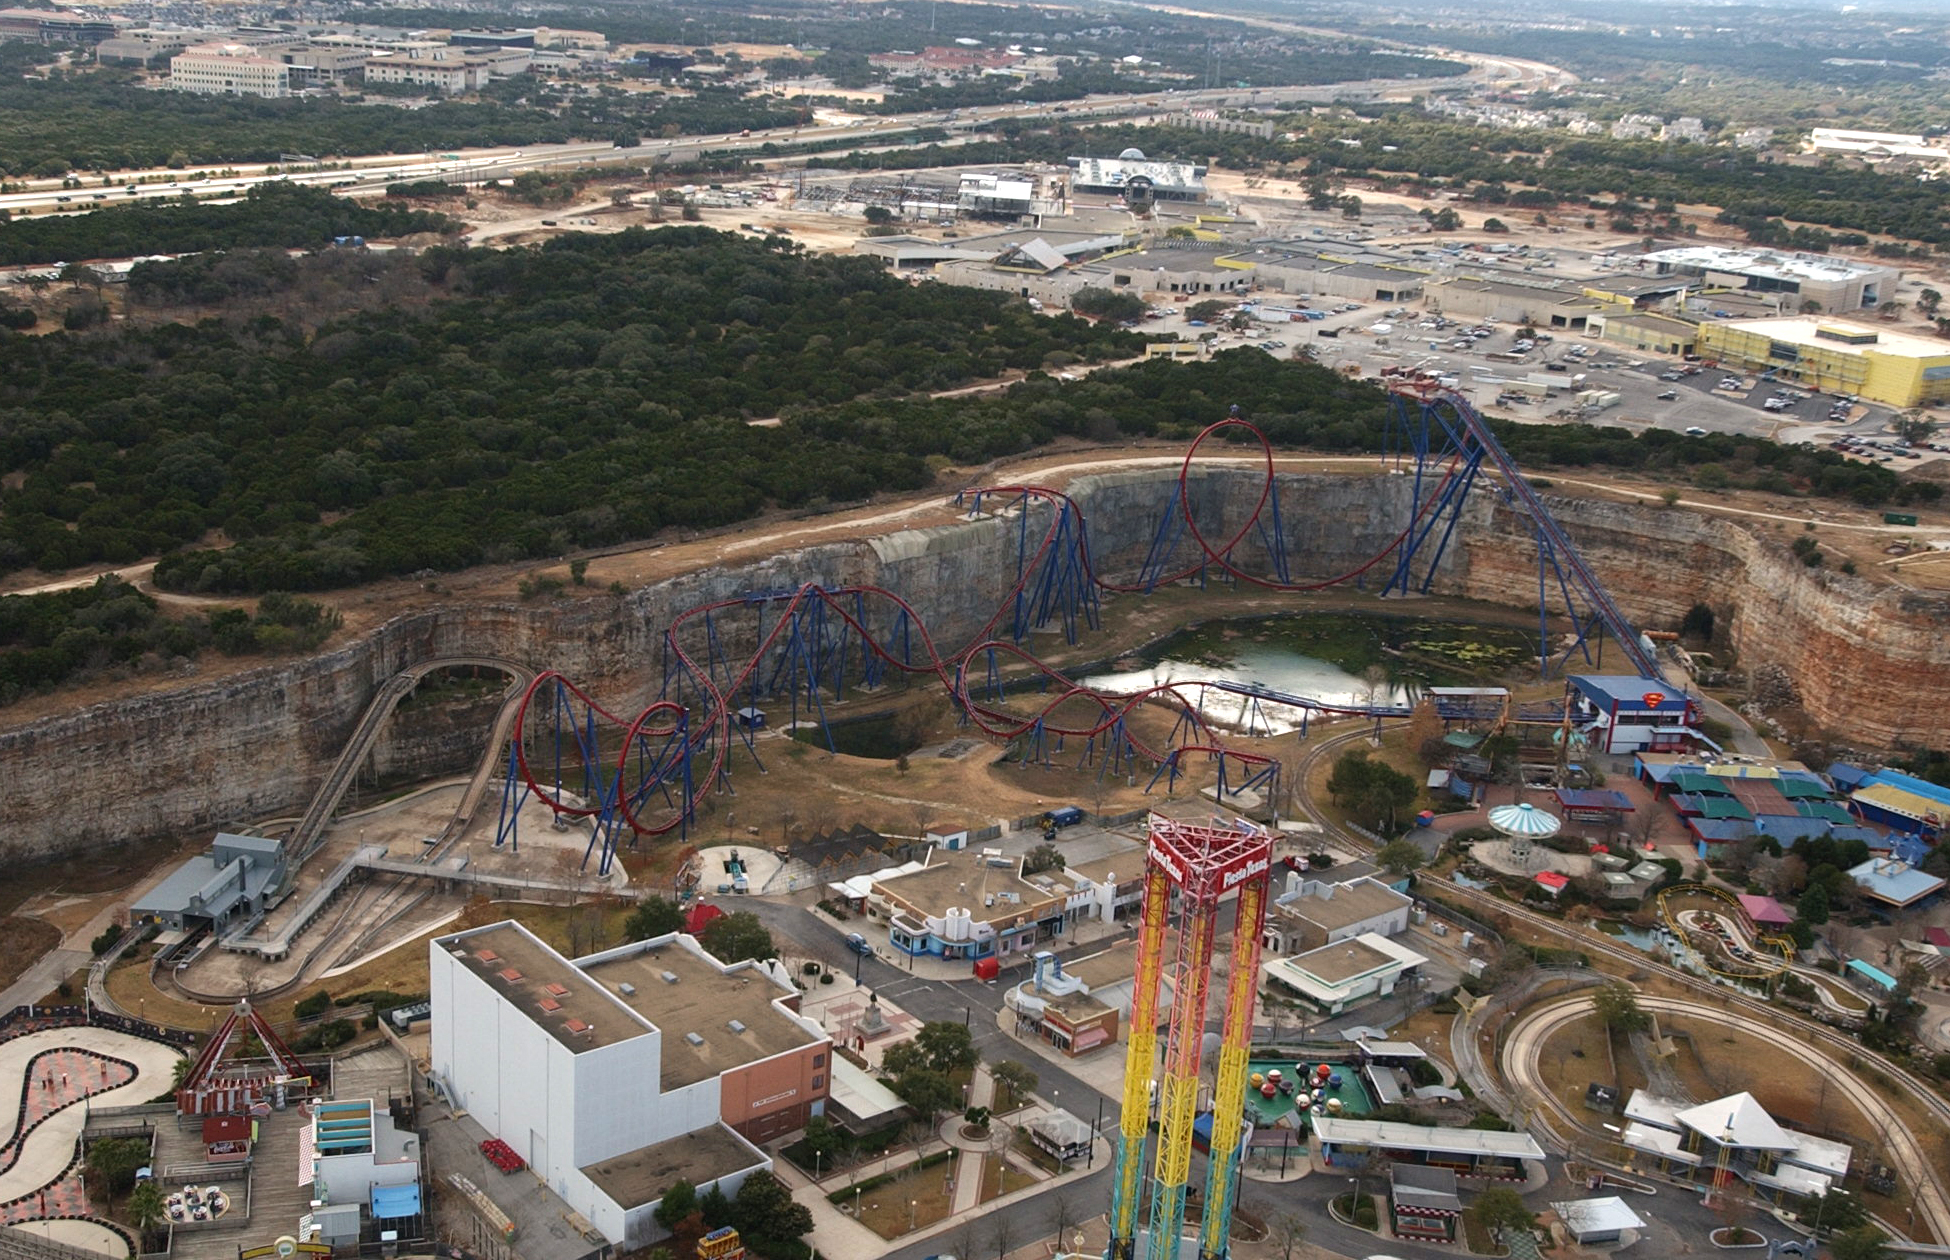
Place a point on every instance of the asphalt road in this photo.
(800, 934)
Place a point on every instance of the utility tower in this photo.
(1202, 866)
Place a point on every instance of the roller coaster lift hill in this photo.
(642, 775)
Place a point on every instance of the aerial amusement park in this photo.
(732, 670)
(725, 665)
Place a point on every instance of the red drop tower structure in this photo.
(1189, 871)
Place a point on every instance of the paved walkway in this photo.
(970, 1164)
(42, 1152)
(87, 1235)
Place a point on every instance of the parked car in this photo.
(1693, 430)
(1668, 395)
(859, 944)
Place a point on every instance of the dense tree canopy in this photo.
(501, 405)
(277, 215)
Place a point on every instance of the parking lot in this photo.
(1539, 381)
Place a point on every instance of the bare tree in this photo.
(1066, 1209)
(1288, 1232)
(1002, 1232)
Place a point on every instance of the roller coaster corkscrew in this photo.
(644, 775)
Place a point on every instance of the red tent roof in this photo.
(1554, 881)
(702, 915)
(1765, 910)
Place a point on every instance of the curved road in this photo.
(1525, 1041)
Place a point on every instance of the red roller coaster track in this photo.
(707, 733)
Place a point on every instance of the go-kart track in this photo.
(641, 775)
(54, 1077)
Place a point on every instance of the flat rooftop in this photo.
(1800, 330)
(704, 1002)
(544, 986)
(1764, 262)
(1113, 966)
(644, 1175)
(1127, 867)
(1341, 961)
(1349, 903)
(963, 880)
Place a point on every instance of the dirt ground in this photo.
(23, 939)
(1714, 1061)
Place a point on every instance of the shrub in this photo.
(315, 1005)
(106, 941)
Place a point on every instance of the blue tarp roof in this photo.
(1791, 826)
(392, 1202)
(1847, 776)
(1721, 830)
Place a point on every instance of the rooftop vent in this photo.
(736, 1025)
(694, 1039)
(557, 989)
(510, 974)
(626, 989)
(670, 977)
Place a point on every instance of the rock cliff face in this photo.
(1869, 660)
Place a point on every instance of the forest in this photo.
(103, 121)
(281, 215)
(490, 405)
(57, 637)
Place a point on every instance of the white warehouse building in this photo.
(618, 1074)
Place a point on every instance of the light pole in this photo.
(913, 1214)
(856, 1201)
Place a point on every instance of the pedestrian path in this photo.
(973, 1160)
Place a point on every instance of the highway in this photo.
(369, 175)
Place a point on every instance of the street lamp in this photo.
(913, 1214)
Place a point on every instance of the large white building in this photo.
(618, 1074)
(1349, 973)
(1872, 146)
(1131, 174)
(228, 70)
(1838, 284)
(1695, 1141)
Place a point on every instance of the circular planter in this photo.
(1722, 1237)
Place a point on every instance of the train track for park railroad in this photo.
(1631, 960)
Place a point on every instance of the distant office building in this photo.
(492, 39)
(996, 194)
(1838, 284)
(315, 65)
(1872, 146)
(228, 70)
(54, 26)
(1130, 174)
(1836, 356)
(447, 76)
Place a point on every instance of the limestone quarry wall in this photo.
(1870, 661)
